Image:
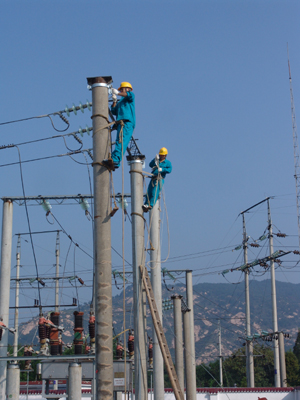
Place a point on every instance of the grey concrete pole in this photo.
(189, 365)
(277, 379)
(190, 304)
(102, 241)
(155, 265)
(138, 258)
(5, 272)
(16, 336)
(57, 274)
(249, 344)
(220, 355)
(282, 360)
(75, 381)
(179, 365)
(13, 382)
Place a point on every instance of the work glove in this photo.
(114, 97)
(114, 91)
(159, 169)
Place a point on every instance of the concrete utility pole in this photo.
(5, 287)
(220, 355)
(249, 344)
(155, 265)
(75, 379)
(190, 304)
(13, 382)
(179, 365)
(138, 258)
(282, 360)
(274, 302)
(16, 336)
(57, 274)
(189, 365)
(102, 240)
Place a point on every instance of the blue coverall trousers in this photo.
(154, 189)
(127, 133)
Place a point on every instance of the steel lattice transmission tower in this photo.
(296, 149)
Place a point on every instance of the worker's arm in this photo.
(113, 108)
(129, 96)
(166, 166)
(152, 163)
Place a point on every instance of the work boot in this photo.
(109, 164)
(146, 208)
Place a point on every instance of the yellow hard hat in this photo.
(163, 151)
(125, 84)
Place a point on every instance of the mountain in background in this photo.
(212, 301)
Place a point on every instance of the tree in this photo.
(208, 375)
(235, 367)
(292, 369)
(296, 348)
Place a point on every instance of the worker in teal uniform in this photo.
(160, 168)
(123, 110)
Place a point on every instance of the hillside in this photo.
(211, 302)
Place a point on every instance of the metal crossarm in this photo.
(133, 149)
(160, 335)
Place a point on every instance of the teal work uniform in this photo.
(125, 111)
(157, 181)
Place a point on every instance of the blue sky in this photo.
(211, 85)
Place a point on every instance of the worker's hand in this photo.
(159, 169)
(114, 97)
(115, 91)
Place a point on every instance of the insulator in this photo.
(54, 317)
(119, 351)
(42, 332)
(80, 281)
(74, 301)
(280, 235)
(82, 107)
(254, 244)
(74, 109)
(41, 282)
(88, 104)
(296, 252)
(48, 330)
(263, 237)
(63, 118)
(92, 330)
(67, 111)
(150, 351)
(78, 348)
(36, 302)
(123, 204)
(54, 349)
(78, 319)
(131, 343)
(1, 332)
(81, 131)
(77, 138)
(46, 205)
(90, 154)
(84, 204)
(88, 130)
